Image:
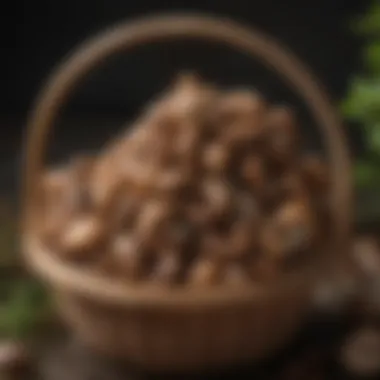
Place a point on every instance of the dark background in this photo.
(317, 31)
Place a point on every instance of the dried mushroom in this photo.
(205, 272)
(360, 355)
(81, 237)
(207, 187)
(282, 137)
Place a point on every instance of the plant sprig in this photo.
(362, 104)
(23, 307)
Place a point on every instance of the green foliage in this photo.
(23, 307)
(8, 233)
(23, 302)
(362, 104)
(369, 24)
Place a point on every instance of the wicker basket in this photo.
(181, 329)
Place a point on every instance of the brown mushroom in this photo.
(217, 195)
(243, 111)
(282, 138)
(236, 274)
(315, 173)
(167, 270)
(290, 230)
(215, 157)
(205, 272)
(253, 173)
(360, 354)
(14, 360)
(81, 237)
(127, 256)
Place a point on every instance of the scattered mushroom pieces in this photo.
(360, 355)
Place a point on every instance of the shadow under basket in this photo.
(180, 329)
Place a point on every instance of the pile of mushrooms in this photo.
(208, 186)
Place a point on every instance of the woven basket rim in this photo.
(81, 281)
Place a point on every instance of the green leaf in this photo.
(369, 24)
(372, 57)
(362, 103)
(366, 174)
(363, 100)
(27, 304)
(373, 138)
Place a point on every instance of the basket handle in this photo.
(166, 27)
